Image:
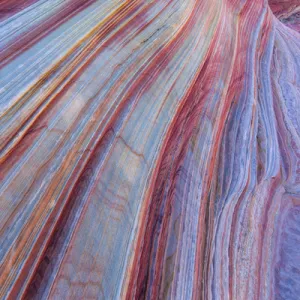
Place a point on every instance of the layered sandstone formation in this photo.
(150, 149)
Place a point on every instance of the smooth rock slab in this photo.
(150, 149)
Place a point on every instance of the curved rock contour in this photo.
(149, 149)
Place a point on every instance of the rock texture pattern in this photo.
(150, 149)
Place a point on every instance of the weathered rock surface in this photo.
(150, 149)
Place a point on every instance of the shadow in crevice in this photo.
(287, 11)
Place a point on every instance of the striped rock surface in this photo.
(150, 149)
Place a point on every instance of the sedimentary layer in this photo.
(149, 149)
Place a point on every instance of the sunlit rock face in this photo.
(150, 149)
